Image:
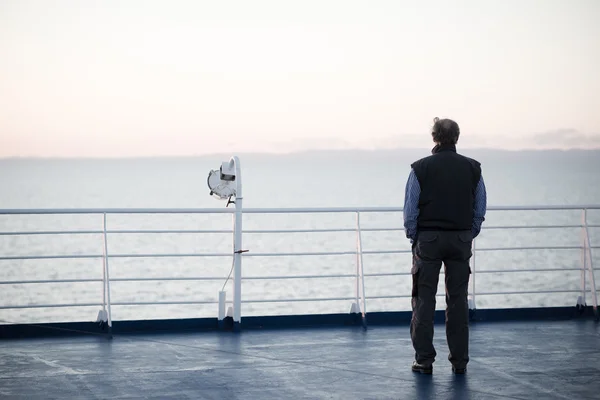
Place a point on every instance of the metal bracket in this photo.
(229, 201)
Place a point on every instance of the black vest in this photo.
(448, 181)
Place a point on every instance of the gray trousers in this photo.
(431, 249)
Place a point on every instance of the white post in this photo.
(107, 274)
(360, 276)
(103, 283)
(582, 301)
(222, 303)
(362, 271)
(357, 308)
(237, 272)
(102, 314)
(105, 318)
(591, 267)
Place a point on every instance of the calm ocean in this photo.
(311, 179)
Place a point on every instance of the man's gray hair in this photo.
(445, 131)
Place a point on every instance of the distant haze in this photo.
(157, 78)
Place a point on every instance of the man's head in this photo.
(445, 131)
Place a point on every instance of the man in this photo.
(444, 207)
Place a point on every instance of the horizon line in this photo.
(292, 152)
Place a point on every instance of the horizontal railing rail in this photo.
(359, 298)
(281, 254)
(266, 231)
(289, 210)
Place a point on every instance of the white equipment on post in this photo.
(226, 183)
(222, 183)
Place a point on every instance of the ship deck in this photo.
(549, 359)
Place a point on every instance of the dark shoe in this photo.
(424, 369)
(459, 371)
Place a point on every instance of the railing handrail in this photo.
(289, 210)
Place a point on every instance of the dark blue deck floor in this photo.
(509, 360)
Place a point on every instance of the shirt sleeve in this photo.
(411, 205)
(479, 207)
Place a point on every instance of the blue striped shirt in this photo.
(411, 206)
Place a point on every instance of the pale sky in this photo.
(138, 78)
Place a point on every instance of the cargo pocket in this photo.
(425, 247)
(427, 236)
(465, 240)
(465, 237)
(415, 280)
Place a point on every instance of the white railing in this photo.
(359, 297)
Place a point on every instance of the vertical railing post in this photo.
(590, 266)
(357, 309)
(360, 276)
(581, 301)
(222, 305)
(104, 315)
(224, 312)
(237, 272)
(107, 276)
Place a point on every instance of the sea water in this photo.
(309, 179)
